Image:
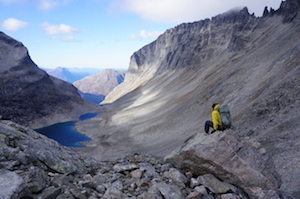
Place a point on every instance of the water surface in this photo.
(65, 132)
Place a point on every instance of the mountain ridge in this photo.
(28, 95)
(96, 86)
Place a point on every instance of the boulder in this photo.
(243, 163)
(213, 184)
(12, 185)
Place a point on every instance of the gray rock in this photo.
(136, 174)
(101, 189)
(194, 195)
(113, 193)
(229, 196)
(35, 179)
(194, 182)
(149, 170)
(169, 191)
(201, 189)
(12, 185)
(213, 184)
(127, 167)
(151, 194)
(166, 167)
(175, 175)
(240, 163)
(77, 193)
(117, 185)
(65, 196)
(50, 193)
(259, 193)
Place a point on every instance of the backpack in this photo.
(225, 116)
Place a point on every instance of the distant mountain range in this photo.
(71, 74)
(95, 87)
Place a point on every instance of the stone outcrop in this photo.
(27, 94)
(243, 163)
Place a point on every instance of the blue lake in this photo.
(87, 116)
(65, 132)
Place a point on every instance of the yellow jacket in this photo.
(216, 117)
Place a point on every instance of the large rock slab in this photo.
(243, 163)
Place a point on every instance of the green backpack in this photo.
(225, 116)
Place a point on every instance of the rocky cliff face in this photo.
(27, 94)
(249, 63)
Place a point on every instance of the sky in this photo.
(103, 33)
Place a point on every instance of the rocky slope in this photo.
(28, 169)
(100, 84)
(249, 63)
(28, 95)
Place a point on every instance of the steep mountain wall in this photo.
(28, 95)
(250, 63)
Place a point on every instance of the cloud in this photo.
(44, 5)
(13, 24)
(143, 34)
(50, 4)
(178, 11)
(59, 29)
(65, 38)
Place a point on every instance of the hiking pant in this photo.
(207, 125)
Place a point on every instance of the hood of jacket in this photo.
(217, 107)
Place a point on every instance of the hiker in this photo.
(216, 122)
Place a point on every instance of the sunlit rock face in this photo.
(27, 94)
(101, 83)
(249, 63)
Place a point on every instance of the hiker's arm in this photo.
(216, 118)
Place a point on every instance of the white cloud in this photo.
(59, 29)
(50, 4)
(191, 10)
(65, 38)
(13, 24)
(143, 34)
